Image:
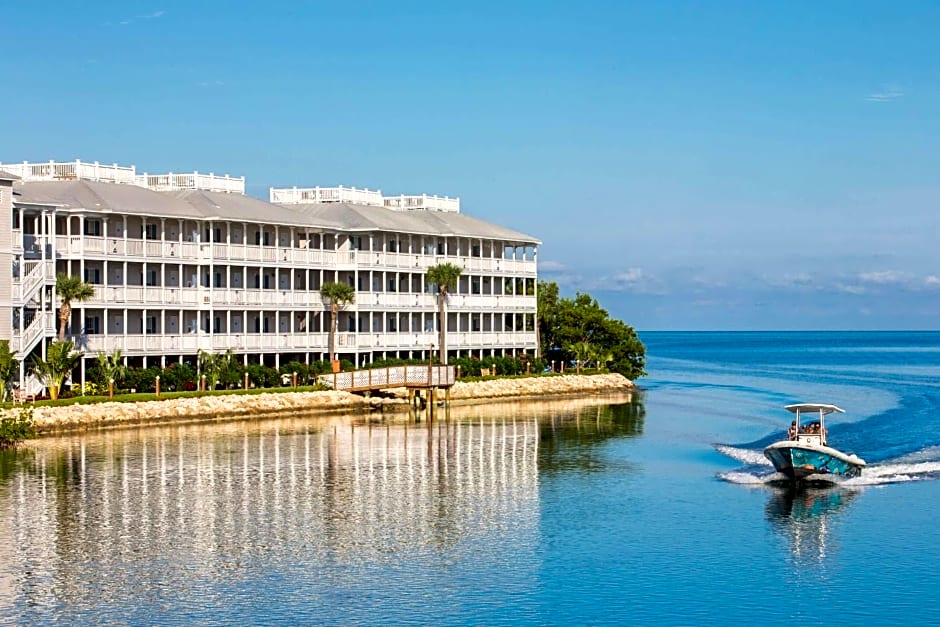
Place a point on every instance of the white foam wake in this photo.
(745, 455)
(895, 473)
(749, 478)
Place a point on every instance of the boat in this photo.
(805, 453)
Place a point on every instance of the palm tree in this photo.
(339, 295)
(444, 276)
(60, 361)
(217, 368)
(70, 289)
(112, 369)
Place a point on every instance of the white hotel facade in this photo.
(187, 262)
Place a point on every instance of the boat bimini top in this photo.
(805, 408)
(811, 432)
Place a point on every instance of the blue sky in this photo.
(694, 165)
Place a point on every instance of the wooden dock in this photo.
(412, 377)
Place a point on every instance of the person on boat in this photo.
(791, 432)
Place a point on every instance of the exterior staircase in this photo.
(27, 288)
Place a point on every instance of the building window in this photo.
(93, 228)
(150, 231)
(151, 327)
(93, 276)
(151, 277)
(92, 325)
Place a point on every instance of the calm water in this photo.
(651, 509)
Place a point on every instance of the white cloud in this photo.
(887, 94)
(146, 16)
(797, 280)
(888, 277)
(631, 275)
(551, 266)
(846, 288)
(932, 281)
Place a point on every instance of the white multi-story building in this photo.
(187, 262)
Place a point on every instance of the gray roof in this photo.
(203, 205)
(103, 197)
(6, 176)
(353, 217)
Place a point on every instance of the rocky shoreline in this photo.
(233, 407)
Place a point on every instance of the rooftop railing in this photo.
(72, 170)
(422, 202)
(114, 173)
(303, 195)
(192, 180)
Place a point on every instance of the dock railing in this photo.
(411, 376)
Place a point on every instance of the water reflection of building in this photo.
(95, 518)
(806, 518)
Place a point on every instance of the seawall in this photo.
(233, 407)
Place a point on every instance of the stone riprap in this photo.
(546, 387)
(229, 406)
(226, 407)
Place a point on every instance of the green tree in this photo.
(61, 359)
(568, 325)
(70, 289)
(339, 295)
(8, 367)
(444, 276)
(547, 317)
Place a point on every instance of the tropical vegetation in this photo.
(8, 367)
(71, 289)
(61, 359)
(111, 368)
(444, 276)
(16, 426)
(339, 295)
(579, 330)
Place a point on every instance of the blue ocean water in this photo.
(647, 509)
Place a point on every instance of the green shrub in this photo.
(15, 426)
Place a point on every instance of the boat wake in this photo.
(745, 455)
(758, 470)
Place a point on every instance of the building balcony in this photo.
(131, 249)
(201, 297)
(190, 343)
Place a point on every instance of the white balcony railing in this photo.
(71, 170)
(311, 195)
(114, 173)
(192, 180)
(33, 274)
(141, 344)
(36, 327)
(422, 202)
